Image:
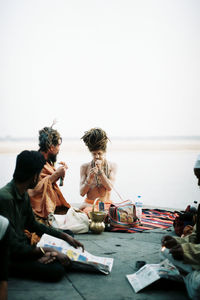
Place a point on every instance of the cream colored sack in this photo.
(74, 220)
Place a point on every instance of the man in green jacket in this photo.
(28, 260)
(184, 253)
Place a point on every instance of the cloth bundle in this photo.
(122, 216)
(74, 220)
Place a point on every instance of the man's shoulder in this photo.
(48, 169)
(85, 165)
(6, 192)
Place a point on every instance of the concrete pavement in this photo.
(126, 249)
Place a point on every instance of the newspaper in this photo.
(150, 273)
(80, 260)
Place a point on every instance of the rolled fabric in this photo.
(3, 226)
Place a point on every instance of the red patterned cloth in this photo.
(152, 219)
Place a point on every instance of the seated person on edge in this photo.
(97, 176)
(4, 248)
(26, 260)
(184, 253)
(46, 198)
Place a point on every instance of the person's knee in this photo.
(35, 270)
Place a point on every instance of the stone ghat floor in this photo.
(126, 249)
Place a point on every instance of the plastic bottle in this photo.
(61, 181)
(138, 206)
(101, 206)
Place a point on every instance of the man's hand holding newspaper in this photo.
(79, 259)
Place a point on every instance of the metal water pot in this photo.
(97, 224)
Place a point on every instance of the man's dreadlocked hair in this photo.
(48, 137)
(95, 139)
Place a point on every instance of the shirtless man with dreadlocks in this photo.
(96, 177)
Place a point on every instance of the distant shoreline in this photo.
(77, 145)
(115, 138)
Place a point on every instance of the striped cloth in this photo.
(152, 219)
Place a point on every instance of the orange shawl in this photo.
(46, 195)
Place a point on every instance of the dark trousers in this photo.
(35, 270)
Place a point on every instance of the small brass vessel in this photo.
(97, 224)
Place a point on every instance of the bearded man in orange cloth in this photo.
(46, 198)
(96, 177)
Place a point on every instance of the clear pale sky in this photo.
(130, 67)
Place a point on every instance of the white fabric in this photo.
(192, 282)
(192, 279)
(3, 226)
(74, 220)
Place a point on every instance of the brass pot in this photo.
(97, 224)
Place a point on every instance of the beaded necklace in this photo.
(105, 169)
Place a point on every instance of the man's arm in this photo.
(191, 253)
(19, 247)
(59, 173)
(108, 182)
(84, 181)
(33, 226)
(183, 250)
(17, 242)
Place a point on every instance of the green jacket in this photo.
(191, 250)
(18, 211)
